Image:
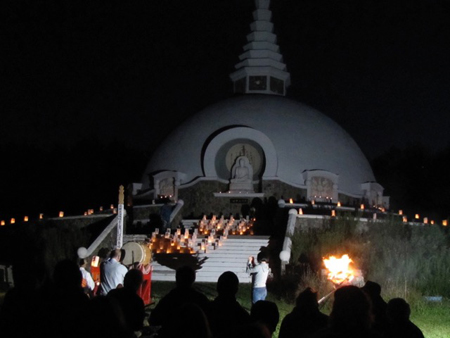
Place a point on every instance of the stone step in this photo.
(231, 256)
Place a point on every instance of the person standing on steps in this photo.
(259, 273)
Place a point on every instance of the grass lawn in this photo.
(432, 318)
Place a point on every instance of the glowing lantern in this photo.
(2, 223)
(362, 207)
(101, 208)
(444, 222)
(416, 216)
(432, 222)
(333, 213)
(313, 202)
(405, 219)
(61, 214)
(338, 204)
(400, 212)
(13, 220)
(300, 211)
(291, 201)
(25, 219)
(425, 220)
(112, 206)
(41, 216)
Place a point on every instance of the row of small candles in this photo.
(60, 215)
(183, 243)
(215, 232)
(400, 212)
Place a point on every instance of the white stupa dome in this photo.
(291, 138)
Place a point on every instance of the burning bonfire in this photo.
(338, 272)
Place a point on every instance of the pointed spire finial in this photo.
(261, 69)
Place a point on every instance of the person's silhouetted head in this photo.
(82, 262)
(228, 284)
(262, 257)
(372, 289)
(116, 254)
(67, 274)
(351, 309)
(185, 276)
(133, 279)
(398, 310)
(307, 299)
(265, 312)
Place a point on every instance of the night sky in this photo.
(130, 72)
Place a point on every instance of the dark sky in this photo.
(134, 70)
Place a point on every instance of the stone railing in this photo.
(87, 252)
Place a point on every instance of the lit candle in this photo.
(432, 222)
(405, 219)
(101, 208)
(2, 223)
(112, 206)
(13, 220)
(300, 211)
(362, 206)
(444, 222)
(291, 201)
(425, 220)
(25, 219)
(338, 204)
(94, 261)
(400, 212)
(313, 202)
(333, 213)
(416, 216)
(61, 214)
(41, 216)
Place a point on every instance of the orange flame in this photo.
(338, 269)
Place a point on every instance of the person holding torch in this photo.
(259, 273)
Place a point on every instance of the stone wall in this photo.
(281, 190)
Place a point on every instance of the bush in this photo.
(407, 260)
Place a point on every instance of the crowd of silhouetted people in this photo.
(63, 308)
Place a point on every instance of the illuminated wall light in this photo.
(13, 220)
(61, 214)
(25, 219)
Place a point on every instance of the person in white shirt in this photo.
(259, 273)
(112, 273)
(87, 283)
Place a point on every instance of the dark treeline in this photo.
(72, 179)
(417, 179)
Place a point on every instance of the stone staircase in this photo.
(231, 256)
